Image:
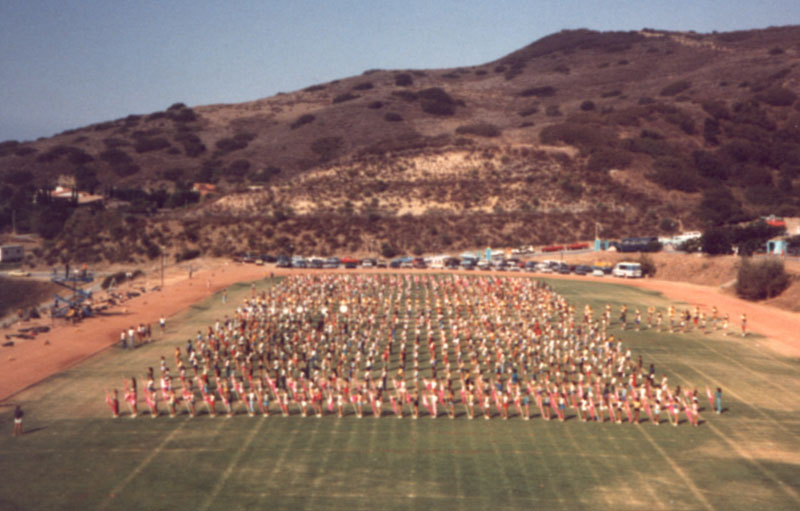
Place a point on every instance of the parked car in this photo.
(468, 263)
(530, 266)
(583, 269)
(368, 263)
(452, 263)
(381, 263)
(350, 263)
(283, 262)
(332, 262)
(299, 262)
(628, 270)
(18, 273)
(316, 263)
(419, 263)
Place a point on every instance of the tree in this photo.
(716, 241)
(765, 279)
(86, 179)
(719, 206)
(388, 251)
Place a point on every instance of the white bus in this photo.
(628, 270)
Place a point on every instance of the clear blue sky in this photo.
(69, 63)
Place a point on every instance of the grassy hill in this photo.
(639, 131)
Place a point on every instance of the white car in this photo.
(597, 272)
(628, 270)
(18, 273)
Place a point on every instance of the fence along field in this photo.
(75, 455)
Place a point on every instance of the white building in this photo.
(10, 253)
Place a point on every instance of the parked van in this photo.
(628, 270)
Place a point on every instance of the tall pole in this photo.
(162, 268)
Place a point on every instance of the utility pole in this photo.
(162, 268)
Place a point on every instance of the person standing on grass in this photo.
(744, 324)
(112, 401)
(18, 414)
(718, 400)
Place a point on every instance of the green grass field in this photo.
(75, 456)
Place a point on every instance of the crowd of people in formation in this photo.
(690, 319)
(411, 346)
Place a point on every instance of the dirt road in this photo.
(29, 362)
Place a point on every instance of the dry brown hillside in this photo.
(627, 133)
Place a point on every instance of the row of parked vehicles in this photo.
(622, 269)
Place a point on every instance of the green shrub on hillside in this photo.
(541, 92)
(719, 207)
(146, 145)
(237, 170)
(25, 150)
(552, 111)
(192, 145)
(327, 148)
(239, 141)
(674, 174)
(709, 165)
(403, 80)
(675, 88)
(481, 129)
(8, 147)
(717, 241)
(182, 114)
(347, 96)
(266, 174)
(116, 157)
(761, 280)
(300, 121)
(437, 102)
(648, 265)
(716, 109)
(711, 131)
(609, 158)
(777, 96)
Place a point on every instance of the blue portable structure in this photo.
(75, 306)
(777, 247)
